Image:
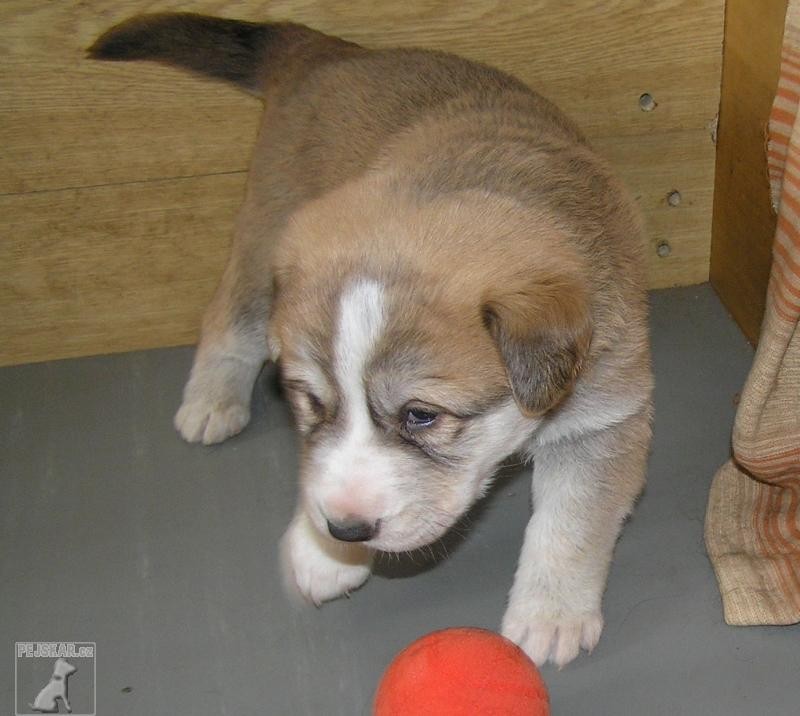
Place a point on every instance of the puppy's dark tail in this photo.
(247, 54)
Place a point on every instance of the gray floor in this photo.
(115, 531)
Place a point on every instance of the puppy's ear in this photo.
(542, 328)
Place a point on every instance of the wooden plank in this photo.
(111, 268)
(132, 265)
(66, 121)
(84, 141)
(680, 162)
(743, 220)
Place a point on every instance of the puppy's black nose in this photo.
(352, 531)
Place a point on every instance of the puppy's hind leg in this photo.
(232, 350)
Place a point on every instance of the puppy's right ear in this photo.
(542, 328)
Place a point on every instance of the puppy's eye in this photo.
(420, 418)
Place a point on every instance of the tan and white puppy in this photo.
(446, 274)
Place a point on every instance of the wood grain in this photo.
(83, 136)
(743, 219)
(99, 267)
(690, 171)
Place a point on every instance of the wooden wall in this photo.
(743, 219)
(119, 183)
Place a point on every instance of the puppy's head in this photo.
(411, 378)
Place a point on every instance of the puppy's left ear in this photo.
(542, 328)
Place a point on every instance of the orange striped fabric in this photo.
(753, 515)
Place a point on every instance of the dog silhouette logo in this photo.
(56, 688)
(55, 677)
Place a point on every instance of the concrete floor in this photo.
(115, 531)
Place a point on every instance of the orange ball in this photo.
(462, 672)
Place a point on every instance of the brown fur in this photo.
(510, 257)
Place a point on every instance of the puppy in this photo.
(56, 688)
(446, 274)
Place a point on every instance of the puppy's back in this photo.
(335, 110)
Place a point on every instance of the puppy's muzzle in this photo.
(353, 530)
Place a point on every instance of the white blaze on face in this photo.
(361, 322)
(351, 470)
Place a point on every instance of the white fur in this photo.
(216, 399)
(362, 316)
(554, 606)
(359, 477)
(318, 568)
(347, 483)
(351, 480)
(592, 408)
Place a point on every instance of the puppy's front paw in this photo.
(318, 568)
(557, 638)
(209, 422)
(216, 400)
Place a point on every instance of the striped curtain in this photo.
(753, 516)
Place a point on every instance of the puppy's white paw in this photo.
(216, 400)
(552, 638)
(209, 422)
(318, 568)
